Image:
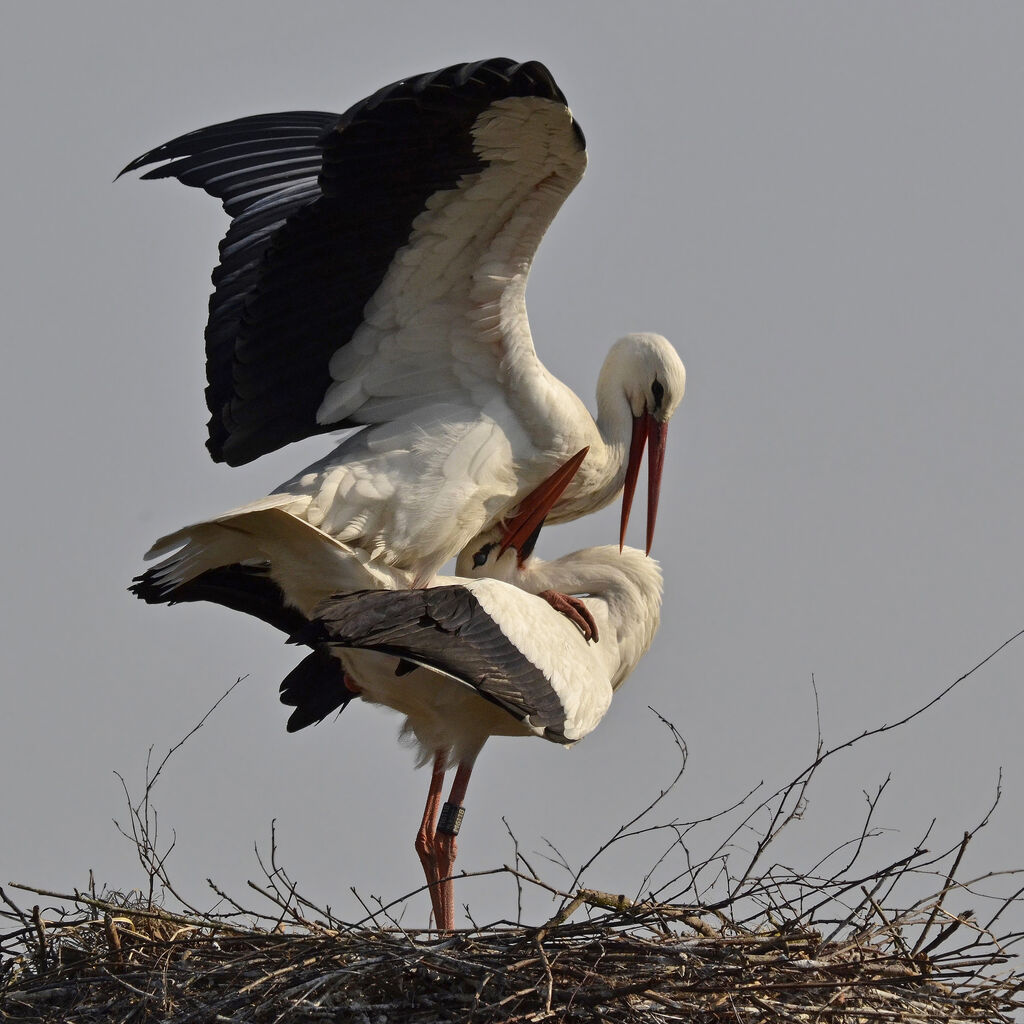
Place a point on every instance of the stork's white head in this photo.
(648, 371)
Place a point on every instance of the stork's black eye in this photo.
(659, 394)
(481, 556)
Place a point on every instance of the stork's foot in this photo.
(426, 849)
(444, 908)
(427, 839)
(428, 858)
(574, 610)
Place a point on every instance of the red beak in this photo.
(645, 428)
(533, 509)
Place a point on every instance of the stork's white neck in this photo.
(600, 477)
(615, 425)
(628, 583)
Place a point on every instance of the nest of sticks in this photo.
(728, 936)
(108, 959)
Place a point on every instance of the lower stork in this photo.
(432, 654)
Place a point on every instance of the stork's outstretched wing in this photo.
(376, 261)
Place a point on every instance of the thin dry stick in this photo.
(889, 926)
(151, 782)
(942, 895)
(154, 915)
(40, 930)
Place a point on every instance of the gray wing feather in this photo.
(445, 629)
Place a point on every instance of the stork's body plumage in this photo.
(374, 275)
(471, 466)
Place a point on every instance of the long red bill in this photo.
(636, 454)
(657, 436)
(533, 509)
(645, 428)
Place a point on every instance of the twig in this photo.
(942, 895)
(40, 928)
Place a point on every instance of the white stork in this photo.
(374, 275)
(487, 638)
(431, 654)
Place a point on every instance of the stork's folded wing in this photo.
(445, 629)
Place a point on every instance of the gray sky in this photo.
(820, 204)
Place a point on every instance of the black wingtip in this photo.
(146, 588)
(140, 161)
(242, 588)
(127, 167)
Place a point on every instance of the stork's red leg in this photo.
(574, 610)
(445, 847)
(426, 841)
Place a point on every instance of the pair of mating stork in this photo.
(373, 276)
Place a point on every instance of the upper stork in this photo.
(374, 275)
